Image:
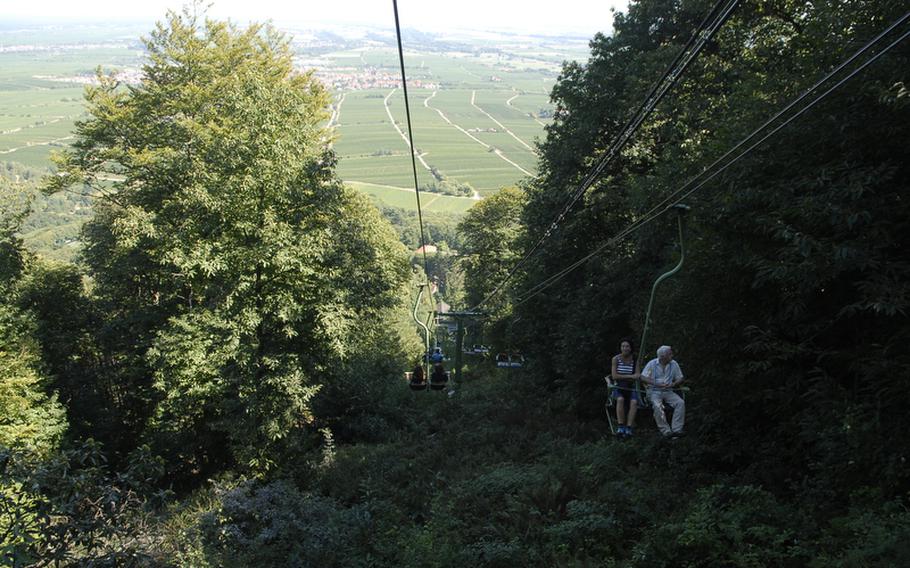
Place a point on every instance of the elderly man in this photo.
(662, 375)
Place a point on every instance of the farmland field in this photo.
(43, 72)
(478, 103)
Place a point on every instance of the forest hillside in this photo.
(218, 379)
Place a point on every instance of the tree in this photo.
(65, 319)
(30, 419)
(491, 231)
(232, 265)
(795, 284)
(14, 207)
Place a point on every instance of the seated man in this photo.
(662, 375)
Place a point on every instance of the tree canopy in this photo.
(795, 284)
(233, 266)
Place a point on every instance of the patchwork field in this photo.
(478, 104)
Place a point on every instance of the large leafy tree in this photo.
(794, 290)
(491, 230)
(232, 264)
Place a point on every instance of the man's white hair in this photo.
(663, 349)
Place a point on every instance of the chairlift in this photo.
(418, 382)
(644, 402)
(509, 361)
(438, 381)
(681, 211)
(415, 383)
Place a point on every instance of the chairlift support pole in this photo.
(681, 211)
(459, 338)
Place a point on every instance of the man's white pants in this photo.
(658, 397)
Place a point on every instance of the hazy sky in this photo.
(581, 16)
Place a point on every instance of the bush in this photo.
(727, 526)
(277, 525)
(71, 509)
(869, 535)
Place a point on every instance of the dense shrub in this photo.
(278, 525)
(71, 509)
(869, 534)
(726, 526)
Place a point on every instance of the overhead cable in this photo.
(691, 187)
(407, 112)
(687, 189)
(708, 28)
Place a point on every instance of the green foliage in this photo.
(14, 207)
(231, 266)
(65, 320)
(30, 420)
(440, 227)
(277, 525)
(440, 184)
(491, 231)
(868, 534)
(727, 526)
(794, 285)
(71, 509)
(251, 318)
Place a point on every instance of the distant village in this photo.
(357, 79)
(346, 78)
(130, 76)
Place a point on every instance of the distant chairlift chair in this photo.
(438, 382)
(416, 383)
(513, 361)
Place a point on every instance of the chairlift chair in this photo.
(414, 384)
(437, 384)
(644, 401)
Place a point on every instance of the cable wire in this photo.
(653, 213)
(708, 28)
(663, 203)
(407, 112)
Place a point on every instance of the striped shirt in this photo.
(623, 368)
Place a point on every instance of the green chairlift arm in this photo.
(426, 330)
(681, 210)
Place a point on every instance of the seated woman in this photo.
(626, 370)
(418, 378)
(439, 377)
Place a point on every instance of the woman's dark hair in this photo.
(629, 341)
